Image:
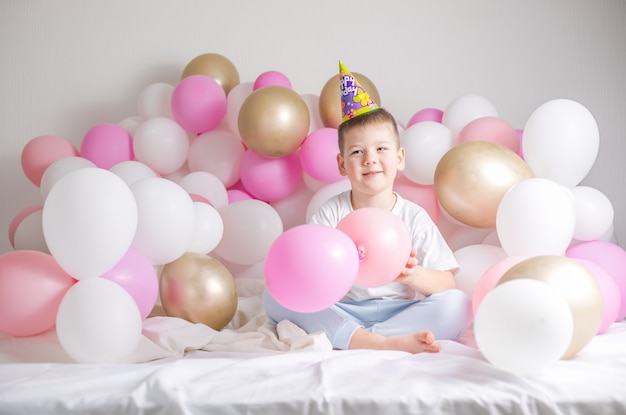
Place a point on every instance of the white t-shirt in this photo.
(432, 250)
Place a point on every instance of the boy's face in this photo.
(371, 158)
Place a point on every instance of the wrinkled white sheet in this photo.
(250, 367)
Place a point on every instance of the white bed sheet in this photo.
(252, 368)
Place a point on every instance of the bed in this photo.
(252, 367)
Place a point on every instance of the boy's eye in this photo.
(382, 148)
(355, 152)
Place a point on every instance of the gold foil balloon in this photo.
(199, 289)
(274, 121)
(471, 178)
(218, 67)
(330, 99)
(578, 287)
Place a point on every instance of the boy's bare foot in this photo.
(421, 341)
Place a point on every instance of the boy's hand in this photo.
(409, 269)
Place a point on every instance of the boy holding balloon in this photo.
(421, 305)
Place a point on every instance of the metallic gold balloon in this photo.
(330, 99)
(218, 67)
(199, 289)
(274, 121)
(578, 287)
(471, 178)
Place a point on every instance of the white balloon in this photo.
(312, 102)
(89, 221)
(131, 123)
(132, 171)
(98, 322)
(166, 220)
(292, 209)
(325, 193)
(523, 326)
(234, 101)
(161, 144)
(218, 152)
(425, 143)
(535, 217)
(207, 185)
(29, 233)
(59, 168)
(208, 229)
(561, 141)
(594, 213)
(156, 101)
(464, 109)
(250, 228)
(473, 261)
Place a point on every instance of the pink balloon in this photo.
(609, 256)
(490, 279)
(427, 114)
(106, 145)
(318, 155)
(383, 242)
(611, 296)
(234, 195)
(32, 286)
(198, 103)
(18, 218)
(423, 195)
(270, 78)
(42, 151)
(270, 179)
(138, 277)
(492, 129)
(520, 136)
(310, 267)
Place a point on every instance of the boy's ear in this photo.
(341, 165)
(401, 158)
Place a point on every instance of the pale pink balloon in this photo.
(426, 114)
(42, 151)
(423, 195)
(383, 242)
(18, 218)
(218, 152)
(271, 78)
(318, 155)
(198, 103)
(270, 179)
(106, 145)
(310, 267)
(32, 286)
(235, 195)
(490, 278)
(492, 129)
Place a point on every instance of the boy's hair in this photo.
(377, 116)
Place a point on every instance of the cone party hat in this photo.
(355, 100)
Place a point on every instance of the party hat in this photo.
(355, 100)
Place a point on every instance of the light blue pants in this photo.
(447, 314)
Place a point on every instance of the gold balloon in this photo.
(199, 289)
(330, 99)
(471, 178)
(274, 121)
(218, 67)
(578, 287)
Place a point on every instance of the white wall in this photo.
(67, 65)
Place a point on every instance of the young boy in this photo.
(421, 304)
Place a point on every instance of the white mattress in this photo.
(250, 368)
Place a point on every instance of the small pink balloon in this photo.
(105, 145)
(490, 279)
(492, 129)
(383, 242)
(18, 218)
(270, 78)
(520, 136)
(310, 267)
(318, 155)
(135, 273)
(270, 179)
(32, 286)
(426, 114)
(611, 296)
(235, 195)
(198, 103)
(42, 151)
(609, 256)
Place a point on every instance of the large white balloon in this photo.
(161, 144)
(464, 109)
(208, 229)
(166, 219)
(156, 101)
(89, 221)
(98, 322)
(207, 185)
(474, 261)
(59, 168)
(594, 213)
(561, 141)
(323, 194)
(218, 152)
(425, 143)
(536, 217)
(523, 326)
